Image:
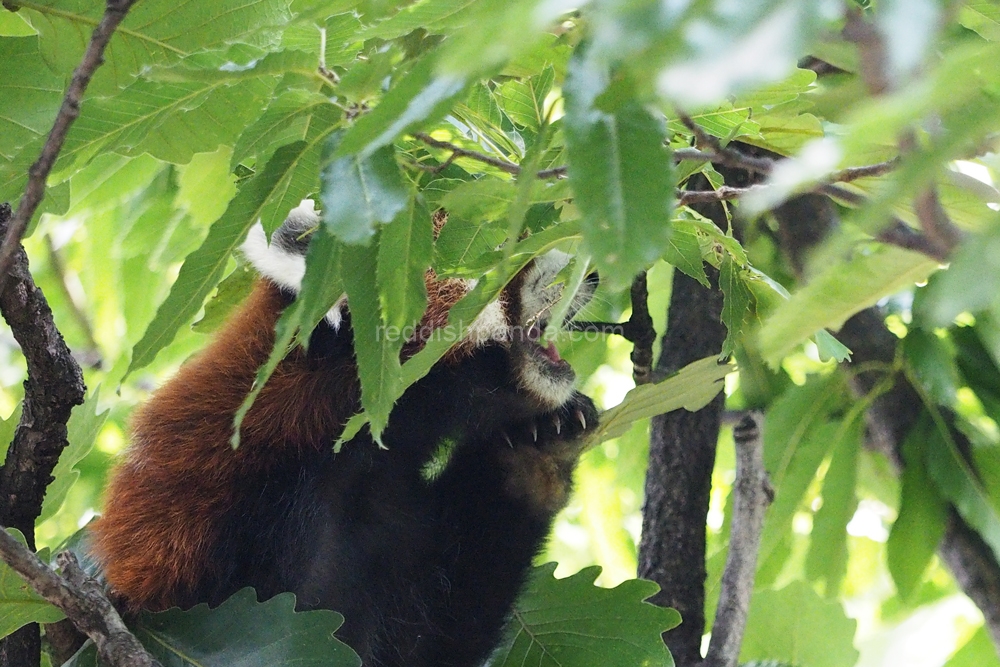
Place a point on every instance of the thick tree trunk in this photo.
(681, 458)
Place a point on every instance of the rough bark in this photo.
(681, 458)
(53, 387)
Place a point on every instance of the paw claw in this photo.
(507, 439)
(580, 418)
(534, 433)
(558, 424)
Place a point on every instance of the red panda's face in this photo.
(515, 321)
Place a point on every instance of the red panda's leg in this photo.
(497, 503)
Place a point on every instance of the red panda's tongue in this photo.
(552, 353)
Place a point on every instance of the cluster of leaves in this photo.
(207, 119)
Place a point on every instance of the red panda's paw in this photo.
(540, 455)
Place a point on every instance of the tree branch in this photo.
(54, 386)
(802, 223)
(752, 494)
(639, 330)
(93, 57)
(81, 599)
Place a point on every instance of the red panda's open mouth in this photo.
(540, 348)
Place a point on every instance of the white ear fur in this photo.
(284, 267)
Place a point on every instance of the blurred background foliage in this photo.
(196, 105)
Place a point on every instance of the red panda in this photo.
(425, 569)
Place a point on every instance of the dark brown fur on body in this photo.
(424, 571)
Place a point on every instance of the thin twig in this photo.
(896, 232)
(639, 329)
(458, 151)
(722, 154)
(81, 599)
(752, 493)
(871, 48)
(114, 13)
(868, 171)
(934, 221)
(723, 193)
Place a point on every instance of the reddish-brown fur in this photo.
(180, 449)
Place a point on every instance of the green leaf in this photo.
(421, 14)
(7, 428)
(831, 348)
(684, 251)
(524, 101)
(977, 652)
(242, 631)
(287, 119)
(971, 283)
(621, 174)
(232, 291)
(572, 623)
(85, 423)
(797, 437)
(203, 268)
(827, 559)
(31, 93)
(495, 31)
(420, 96)
(377, 353)
(404, 254)
(796, 626)
(690, 388)
(155, 32)
(169, 120)
(959, 484)
(19, 603)
(983, 17)
(464, 240)
(933, 364)
(736, 303)
(361, 192)
(922, 513)
(839, 292)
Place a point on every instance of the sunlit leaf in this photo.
(572, 623)
(84, 425)
(839, 292)
(690, 388)
(796, 626)
(203, 268)
(154, 32)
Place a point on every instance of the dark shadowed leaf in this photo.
(241, 632)
(922, 513)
